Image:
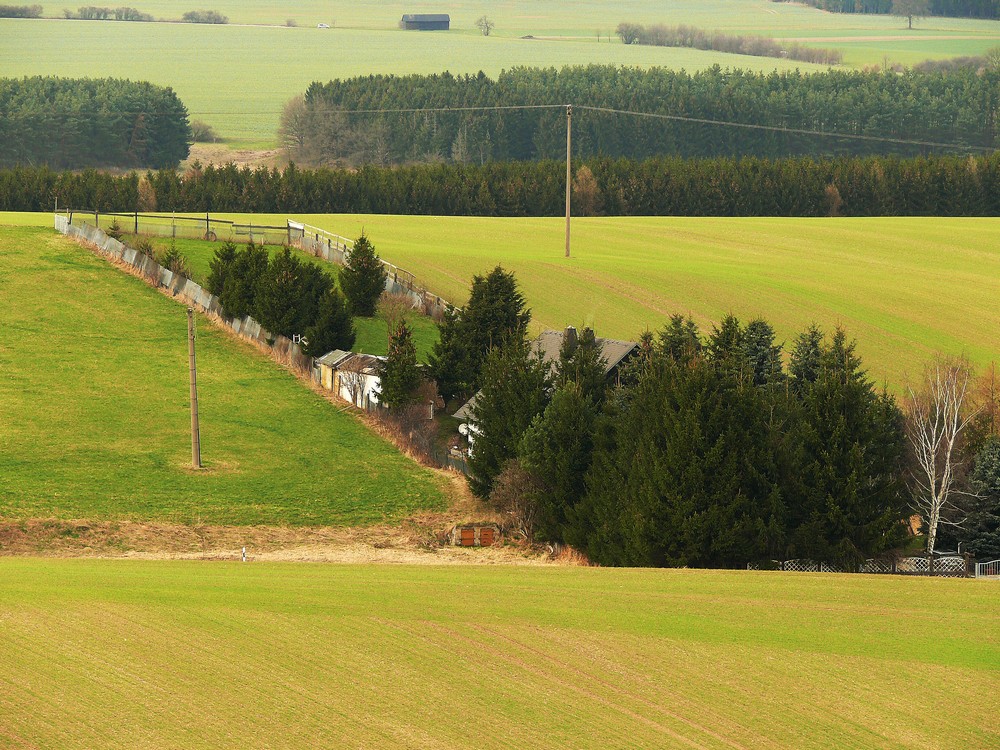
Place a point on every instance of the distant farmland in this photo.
(94, 399)
(211, 67)
(129, 654)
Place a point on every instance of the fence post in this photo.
(97, 222)
(137, 222)
(208, 225)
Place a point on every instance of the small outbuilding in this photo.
(474, 535)
(426, 22)
(352, 376)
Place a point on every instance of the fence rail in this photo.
(949, 566)
(988, 569)
(319, 243)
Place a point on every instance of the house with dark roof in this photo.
(549, 343)
(425, 22)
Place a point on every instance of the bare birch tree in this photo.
(937, 416)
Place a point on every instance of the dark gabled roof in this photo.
(426, 18)
(549, 343)
(612, 350)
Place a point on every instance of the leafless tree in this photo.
(293, 129)
(910, 9)
(392, 308)
(938, 414)
(515, 495)
(485, 25)
(353, 378)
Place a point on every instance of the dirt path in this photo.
(419, 540)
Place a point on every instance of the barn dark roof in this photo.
(426, 17)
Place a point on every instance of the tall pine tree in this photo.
(363, 280)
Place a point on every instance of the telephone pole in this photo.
(569, 170)
(195, 431)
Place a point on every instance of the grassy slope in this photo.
(905, 287)
(149, 654)
(94, 405)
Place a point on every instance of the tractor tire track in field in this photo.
(614, 688)
(552, 677)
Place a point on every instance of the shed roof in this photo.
(330, 359)
(426, 17)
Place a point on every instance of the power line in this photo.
(511, 107)
(782, 129)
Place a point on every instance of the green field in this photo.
(904, 287)
(95, 418)
(130, 654)
(237, 78)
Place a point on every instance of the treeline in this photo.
(952, 8)
(20, 11)
(942, 186)
(660, 35)
(954, 108)
(700, 451)
(73, 123)
(97, 13)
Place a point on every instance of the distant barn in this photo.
(426, 21)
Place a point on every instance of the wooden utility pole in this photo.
(569, 170)
(195, 431)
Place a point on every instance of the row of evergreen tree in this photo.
(699, 451)
(290, 297)
(73, 123)
(951, 8)
(873, 186)
(371, 119)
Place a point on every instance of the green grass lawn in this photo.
(136, 654)
(95, 420)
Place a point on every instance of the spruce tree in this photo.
(581, 363)
(220, 266)
(398, 373)
(763, 355)
(363, 280)
(515, 390)
(277, 299)
(981, 531)
(495, 314)
(557, 450)
(680, 339)
(240, 286)
(333, 328)
(804, 361)
(855, 498)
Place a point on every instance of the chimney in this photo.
(569, 338)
